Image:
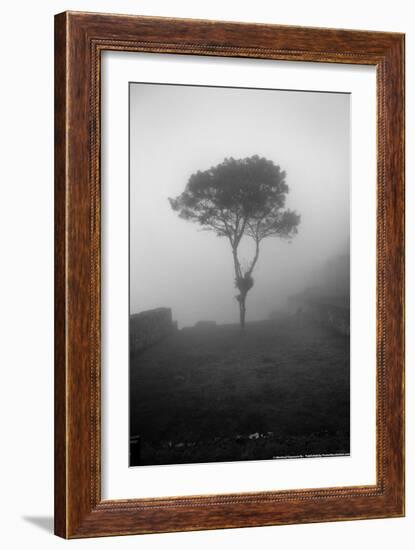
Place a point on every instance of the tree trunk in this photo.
(242, 310)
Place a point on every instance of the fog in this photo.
(177, 130)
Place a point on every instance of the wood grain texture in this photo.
(79, 40)
(60, 277)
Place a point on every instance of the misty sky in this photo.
(177, 130)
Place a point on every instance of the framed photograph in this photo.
(229, 275)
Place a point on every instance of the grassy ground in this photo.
(280, 388)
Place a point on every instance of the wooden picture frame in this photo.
(79, 40)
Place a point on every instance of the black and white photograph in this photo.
(239, 274)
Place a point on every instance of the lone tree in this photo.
(239, 197)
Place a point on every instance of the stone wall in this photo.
(149, 327)
(329, 315)
(335, 317)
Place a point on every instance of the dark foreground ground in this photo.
(280, 388)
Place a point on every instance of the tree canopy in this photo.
(239, 197)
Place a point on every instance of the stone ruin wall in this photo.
(149, 327)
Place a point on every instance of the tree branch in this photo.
(236, 263)
(255, 258)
